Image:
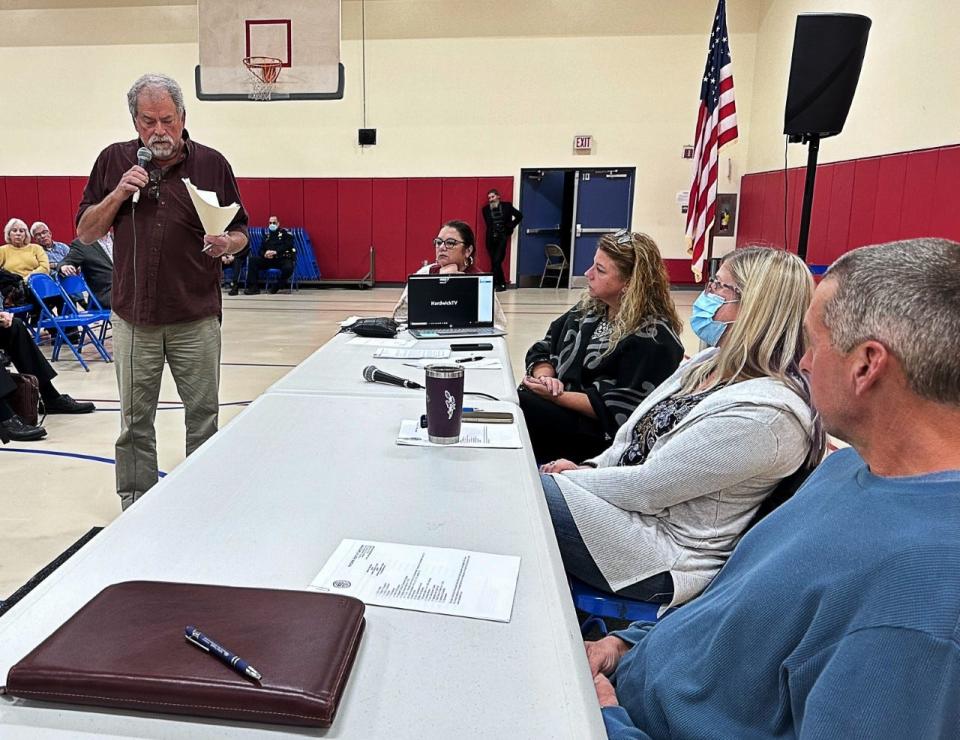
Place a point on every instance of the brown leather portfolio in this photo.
(126, 648)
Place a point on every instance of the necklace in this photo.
(603, 330)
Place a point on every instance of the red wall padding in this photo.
(423, 220)
(355, 223)
(344, 217)
(322, 204)
(390, 228)
(946, 195)
(856, 202)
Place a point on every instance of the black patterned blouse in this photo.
(659, 420)
(615, 383)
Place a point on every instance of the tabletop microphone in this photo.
(372, 375)
(144, 156)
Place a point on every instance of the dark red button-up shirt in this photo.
(160, 273)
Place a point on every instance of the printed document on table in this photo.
(402, 353)
(489, 363)
(471, 435)
(440, 580)
(214, 217)
(383, 341)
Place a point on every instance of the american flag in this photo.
(716, 126)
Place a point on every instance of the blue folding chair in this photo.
(307, 267)
(600, 605)
(76, 285)
(228, 271)
(44, 288)
(19, 309)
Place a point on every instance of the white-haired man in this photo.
(55, 250)
(166, 289)
(838, 616)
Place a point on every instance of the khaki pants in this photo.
(192, 350)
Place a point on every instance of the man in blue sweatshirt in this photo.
(837, 616)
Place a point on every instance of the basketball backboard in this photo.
(303, 34)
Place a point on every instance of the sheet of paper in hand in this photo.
(214, 217)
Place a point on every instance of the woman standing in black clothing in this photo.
(601, 358)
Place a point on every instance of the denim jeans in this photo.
(579, 562)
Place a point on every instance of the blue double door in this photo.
(572, 209)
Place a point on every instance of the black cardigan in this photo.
(617, 382)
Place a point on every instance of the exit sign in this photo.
(582, 144)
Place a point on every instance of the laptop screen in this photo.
(450, 301)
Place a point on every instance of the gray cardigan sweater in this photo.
(686, 506)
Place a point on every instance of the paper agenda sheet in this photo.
(440, 580)
(214, 217)
(504, 436)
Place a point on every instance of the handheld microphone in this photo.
(372, 375)
(144, 155)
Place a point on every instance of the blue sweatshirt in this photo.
(837, 616)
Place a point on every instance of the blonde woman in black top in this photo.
(601, 358)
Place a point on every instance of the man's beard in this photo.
(162, 147)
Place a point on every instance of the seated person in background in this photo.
(96, 262)
(601, 358)
(235, 262)
(656, 515)
(56, 251)
(837, 615)
(19, 255)
(22, 258)
(278, 252)
(456, 250)
(17, 342)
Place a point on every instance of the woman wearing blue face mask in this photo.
(656, 515)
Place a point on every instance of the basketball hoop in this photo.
(265, 71)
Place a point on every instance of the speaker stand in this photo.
(814, 149)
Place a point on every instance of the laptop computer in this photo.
(442, 306)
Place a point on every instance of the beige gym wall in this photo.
(453, 87)
(907, 97)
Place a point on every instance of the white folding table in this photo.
(266, 501)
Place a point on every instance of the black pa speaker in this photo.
(828, 51)
(367, 136)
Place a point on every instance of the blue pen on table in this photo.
(219, 652)
(471, 359)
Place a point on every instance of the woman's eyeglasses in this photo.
(446, 243)
(713, 286)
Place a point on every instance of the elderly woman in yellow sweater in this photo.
(18, 255)
(24, 259)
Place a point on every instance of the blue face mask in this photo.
(702, 321)
(273, 227)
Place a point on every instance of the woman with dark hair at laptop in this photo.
(456, 250)
(605, 355)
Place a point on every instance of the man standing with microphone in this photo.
(166, 284)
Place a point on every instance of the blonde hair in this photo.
(15, 222)
(766, 340)
(646, 295)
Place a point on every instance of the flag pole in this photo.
(716, 127)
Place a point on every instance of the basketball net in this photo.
(265, 71)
